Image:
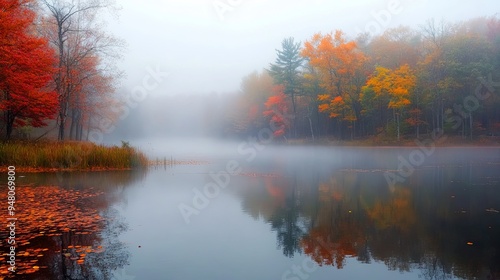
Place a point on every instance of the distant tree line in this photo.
(56, 64)
(441, 77)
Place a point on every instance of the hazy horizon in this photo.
(206, 50)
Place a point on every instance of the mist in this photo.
(302, 138)
(209, 47)
(207, 50)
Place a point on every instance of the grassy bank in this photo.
(53, 156)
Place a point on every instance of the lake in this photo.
(250, 211)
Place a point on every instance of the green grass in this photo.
(70, 155)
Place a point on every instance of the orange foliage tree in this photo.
(340, 65)
(26, 68)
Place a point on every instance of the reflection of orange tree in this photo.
(449, 231)
(397, 212)
(395, 239)
(326, 249)
(335, 234)
(264, 197)
(57, 231)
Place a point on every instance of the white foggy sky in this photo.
(205, 54)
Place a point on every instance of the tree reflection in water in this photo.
(285, 221)
(441, 221)
(68, 231)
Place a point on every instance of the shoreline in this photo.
(68, 156)
(448, 142)
(24, 169)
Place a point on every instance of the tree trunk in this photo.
(310, 123)
(59, 79)
(437, 120)
(470, 124)
(463, 127)
(294, 116)
(80, 131)
(72, 127)
(311, 127)
(442, 115)
(339, 123)
(88, 129)
(9, 125)
(62, 123)
(353, 127)
(397, 120)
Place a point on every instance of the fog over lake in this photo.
(287, 212)
(231, 139)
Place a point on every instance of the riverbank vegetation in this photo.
(56, 156)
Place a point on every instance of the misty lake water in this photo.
(287, 212)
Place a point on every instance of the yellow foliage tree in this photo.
(397, 85)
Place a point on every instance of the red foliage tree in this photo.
(26, 68)
(277, 109)
(91, 96)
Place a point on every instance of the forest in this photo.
(58, 72)
(57, 67)
(406, 82)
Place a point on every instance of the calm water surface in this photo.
(289, 213)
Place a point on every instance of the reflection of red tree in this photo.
(53, 222)
(277, 109)
(275, 191)
(336, 234)
(324, 250)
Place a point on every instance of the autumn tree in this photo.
(73, 29)
(245, 115)
(422, 79)
(277, 111)
(285, 71)
(432, 70)
(91, 97)
(395, 47)
(339, 64)
(397, 85)
(26, 68)
(311, 86)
